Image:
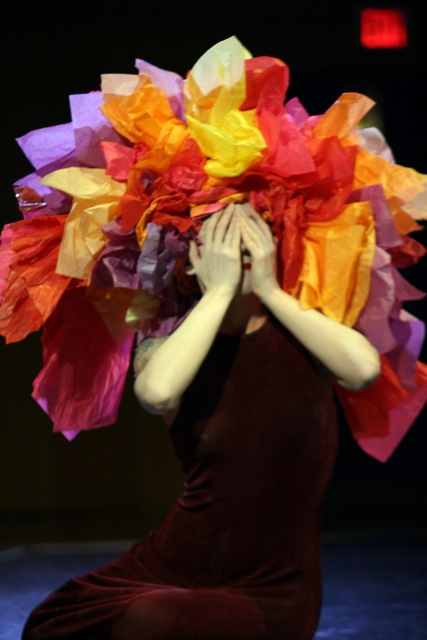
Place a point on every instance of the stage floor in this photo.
(373, 589)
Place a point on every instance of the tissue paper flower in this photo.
(118, 193)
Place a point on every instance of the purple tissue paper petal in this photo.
(174, 310)
(46, 146)
(147, 262)
(157, 260)
(90, 128)
(56, 201)
(409, 334)
(117, 262)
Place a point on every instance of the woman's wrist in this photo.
(222, 293)
(269, 293)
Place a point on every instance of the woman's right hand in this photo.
(217, 263)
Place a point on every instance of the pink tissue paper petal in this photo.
(387, 233)
(296, 112)
(373, 322)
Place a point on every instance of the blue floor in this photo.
(372, 590)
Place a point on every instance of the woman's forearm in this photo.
(348, 355)
(172, 367)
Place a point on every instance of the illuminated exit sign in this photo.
(383, 28)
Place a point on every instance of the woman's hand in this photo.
(217, 262)
(259, 242)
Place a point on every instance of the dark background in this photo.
(118, 482)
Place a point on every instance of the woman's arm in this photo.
(167, 368)
(346, 353)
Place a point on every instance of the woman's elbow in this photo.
(364, 374)
(153, 399)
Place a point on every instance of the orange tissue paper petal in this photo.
(32, 288)
(141, 116)
(343, 115)
(336, 271)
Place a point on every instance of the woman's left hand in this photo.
(259, 241)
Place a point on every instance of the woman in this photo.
(243, 383)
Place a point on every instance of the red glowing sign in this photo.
(383, 28)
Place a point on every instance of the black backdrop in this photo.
(51, 50)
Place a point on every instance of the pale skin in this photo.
(237, 300)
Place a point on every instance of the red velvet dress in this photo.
(238, 557)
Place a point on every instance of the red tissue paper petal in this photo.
(84, 372)
(267, 80)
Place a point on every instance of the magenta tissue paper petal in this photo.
(84, 372)
(401, 418)
(373, 322)
(387, 233)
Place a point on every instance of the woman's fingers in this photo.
(233, 234)
(194, 254)
(223, 224)
(249, 213)
(255, 240)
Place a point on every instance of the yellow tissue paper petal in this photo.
(83, 237)
(213, 93)
(336, 272)
(222, 66)
(232, 148)
(141, 311)
(343, 115)
(141, 116)
(81, 182)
